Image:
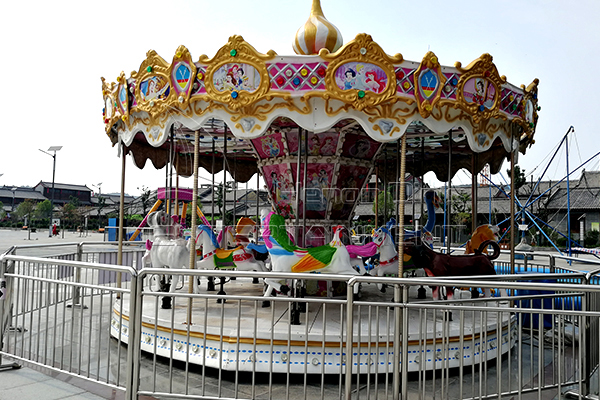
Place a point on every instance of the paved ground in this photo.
(32, 382)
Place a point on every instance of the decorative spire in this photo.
(317, 33)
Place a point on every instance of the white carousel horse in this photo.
(388, 256)
(167, 250)
(214, 257)
(285, 256)
(357, 252)
(246, 227)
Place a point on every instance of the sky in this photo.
(54, 53)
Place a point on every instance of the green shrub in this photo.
(592, 239)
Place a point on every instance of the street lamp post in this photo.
(14, 190)
(54, 149)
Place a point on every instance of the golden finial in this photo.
(317, 33)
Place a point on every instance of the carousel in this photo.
(316, 126)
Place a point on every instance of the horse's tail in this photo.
(494, 245)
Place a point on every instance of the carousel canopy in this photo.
(350, 103)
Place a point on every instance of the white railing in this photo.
(67, 316)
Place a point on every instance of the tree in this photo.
(145, 199)
(519, 178)
(461, 209)
(2, 212)
(25, 210)
(42, 209)
(72, 213)
(101, 205)
(384, 202)
(227, 217)
(190, 213)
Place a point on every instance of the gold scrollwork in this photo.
(111, 112)
(389, 111)
(150, 96)
(360, 50)
(123, 104)
(529, 112)
(182, 57)
(237, 51)
(479, 72)
(426, 102)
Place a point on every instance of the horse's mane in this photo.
(210, 234)
(243, 223)
(385, 230)
(390, 224)
(220, 236)
(267, 231)
(366, 250)
(276, 229)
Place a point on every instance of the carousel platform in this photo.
(241, 335)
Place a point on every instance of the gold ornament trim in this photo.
(158, 68)
(430, 62)
(364, 50)
(122, 84)
(237, 51)
(108, 95)
(183, 56)
(483, 68)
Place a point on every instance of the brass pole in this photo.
(121, 212)
(449, 195)
(512, 211)
(194, 223)
(401, 208)
(376, 197)
(399, 291)
(473, 193)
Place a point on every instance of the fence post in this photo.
(398, 317)
(349, 337)
(77, 289)
(404, 353)
(135, 333)
(552, 263)
(585, 362)
(5, 306)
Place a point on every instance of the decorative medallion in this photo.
(361, 76)
(237, 75)
(429, 81)
(154, 86)
(183, 73)
(123, 96)
(478, 89)
(361, 73)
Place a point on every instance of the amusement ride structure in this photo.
(317, 125)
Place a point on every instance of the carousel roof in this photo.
(240, 95)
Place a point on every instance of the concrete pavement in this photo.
(31, 381)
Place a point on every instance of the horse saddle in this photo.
(224, 258)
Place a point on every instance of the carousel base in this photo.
(263, 340)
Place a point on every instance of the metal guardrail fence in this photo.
(69, 316)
